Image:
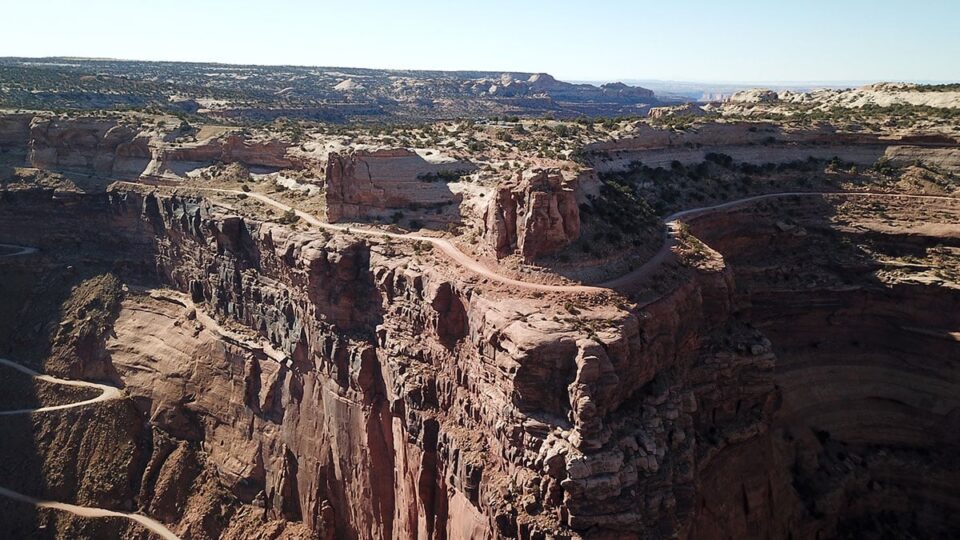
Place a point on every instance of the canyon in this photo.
(387, 360)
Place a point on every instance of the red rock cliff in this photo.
(368, 184)
(534, 214)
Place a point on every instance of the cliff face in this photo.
(117, 148)
(177, 160)
(395, 401)
(14, 135)
(535, 214)
(759, 143)
(862, 314)
(339, 387)
(371, 184)
(406, 403)
(88, 146)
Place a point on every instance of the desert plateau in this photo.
(291, 302)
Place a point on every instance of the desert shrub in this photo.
(720, 159)
(289, 217)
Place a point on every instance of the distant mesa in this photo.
(756, 95)
(348, 85)
(885, 94)
(542, 80)
(686, 109)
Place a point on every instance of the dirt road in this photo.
(673, 227)
(107, 393)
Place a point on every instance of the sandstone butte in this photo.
(396, 358)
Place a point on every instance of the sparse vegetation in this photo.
(289, 217)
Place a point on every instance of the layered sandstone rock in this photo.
(116, 148)
(763, 142)
(687, 109)
(404, 403)
(88, 145)
(534, 214)
(754, 96)
(367, 184)
(866, 354)
(372, 394)
(177, 160)
(879, 94)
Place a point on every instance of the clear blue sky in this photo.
(733, 40)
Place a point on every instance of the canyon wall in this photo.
(177, 160)
(867, 350)
(404, 402)
(14, 136)
(122, 148)
(284, 379)
(760, 143)
(92, 146)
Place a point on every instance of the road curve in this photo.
(107, 393)
(673, 225)
(85, 511)
(442, 244)
(23, 250)
(229, 336)
(645, 270)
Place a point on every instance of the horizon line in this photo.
(573, 80)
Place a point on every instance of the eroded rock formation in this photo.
(88, 145)
(287, 382)
(176, 160)
(123, 148)
(405, 404)
(534, 214)
(368, 184)
(761, 142)
(865, 349)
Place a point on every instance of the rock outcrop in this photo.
(88, 146)
(765, 142)
(875, 95)
(375, 184)
(177, 160)
(283, 380)
(754, 96)
(545, 85)
(404, 403)
(534, 214)
(687, 109)
(123, 149)
(865, 357)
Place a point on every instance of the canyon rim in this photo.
(245, 301)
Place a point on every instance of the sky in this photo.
(682, 40)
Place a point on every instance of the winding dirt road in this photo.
(21, 250)
(110, 393)
(107, 393)
(209, 322)
(442, 244)
(642, 272)
(673, 225)
(85, 511)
